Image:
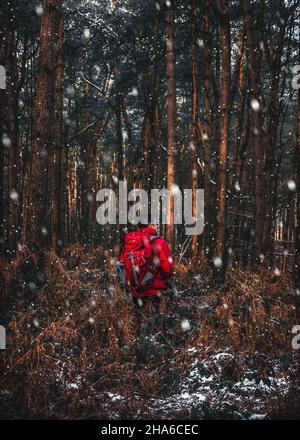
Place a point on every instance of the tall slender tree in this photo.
(256, 128)
(171, 116)
(223, 14)
(36, 229)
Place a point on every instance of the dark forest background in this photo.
(162, 94)
(200, 94)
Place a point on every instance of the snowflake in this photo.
(175, 189)
(185, 325)
(134, 91)
(6, 141)
(39, 10)
(291, 185)
(237, 187)
(277, 272)
(87, 33)
(14, 195)
(218, 262)
(200, 43)
(255, 105)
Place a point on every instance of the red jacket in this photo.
(162, 252)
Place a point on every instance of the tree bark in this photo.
(171, 117)
(58, 196)
(256, 128)
(297, 238)
(221, 245)
(13, 149)
(36, 230)
(197, 172)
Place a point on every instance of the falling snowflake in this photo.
(218, 262)
(168, 3)
(200, 43)
(115, 179)
(91, 320)
(277, 272)
(255, 105)
(39, 10)
(291, 185)
(134, 91)
(87, 33)
(237, 187)
(6, 141)
(14, 195)
(36, 322)
(175, 189)
(185, 325)
(44, 230)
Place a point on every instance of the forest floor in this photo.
(212, 352)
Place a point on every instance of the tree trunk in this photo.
(58, 196)
(273, 112)
(13, 150)
(171, 116)
(208, 82)
(36, 230)
(3, 50)
(297, 244)
(221, 245)
(256, 129)
(197, 173)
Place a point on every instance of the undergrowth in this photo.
(72, 341)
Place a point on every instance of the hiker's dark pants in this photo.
(139, 303)
(147, 306)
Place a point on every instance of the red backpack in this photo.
(136, 266)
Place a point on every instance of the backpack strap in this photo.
(154, 237)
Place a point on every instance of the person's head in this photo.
(154, 226)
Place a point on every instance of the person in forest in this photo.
(145, 267)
